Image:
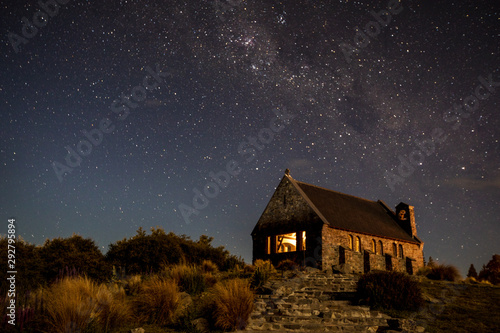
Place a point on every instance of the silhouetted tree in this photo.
(148, 253)
(491, 272)
(27, 264)
(145, 253)
(431, 262)
(472, 272)
(73, 254)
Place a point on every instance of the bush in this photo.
(233, 304)
(28, 264)
(389, 290)
(79, 304)
(189, 278)
(287, 265)
(158, 301)
(443, 273)
(491, 272)
(262, 273)
(73, 254)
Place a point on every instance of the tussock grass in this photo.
(79, 304)
(158, 301)
(233, 301)
(132, 284)
(208, 266)
(191, 279)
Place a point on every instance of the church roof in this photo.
(347, 212)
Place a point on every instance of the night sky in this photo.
(116, 115)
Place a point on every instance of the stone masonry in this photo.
(315, 301)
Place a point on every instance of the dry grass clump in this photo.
(132, 284)
(78, 303)
(208, 266)
(158, 301)
(233, 301)
(191, 279)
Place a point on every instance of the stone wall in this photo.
(337, 253)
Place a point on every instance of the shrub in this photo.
(28, 264)
(189, 278)
(287, 265)
(158, 301)
(233, 304)
(444, 273)
(79, 304)
(262, 273)
(68, 256)
(389, 290)
(491, 272)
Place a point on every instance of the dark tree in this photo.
(491, 272)
(472, 272)
(27, 264)
(74, 254)
(431, 262)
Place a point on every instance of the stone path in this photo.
(315, 302)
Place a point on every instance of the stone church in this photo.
(314, 226)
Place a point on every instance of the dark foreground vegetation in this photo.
(437, 298)
(169, 283)
(158, 279)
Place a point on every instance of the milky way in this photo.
(154, 100)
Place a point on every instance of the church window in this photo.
(358, 244)
(380, 248)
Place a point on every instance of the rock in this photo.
(185, 300)
(137, 330)
(201, 325)
(311, 270)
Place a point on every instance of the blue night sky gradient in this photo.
(349, 107)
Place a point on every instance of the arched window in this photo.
(358, 244)
(374, 246)
(394, 249)
(351, 241)
(401, 254)
(380, 248)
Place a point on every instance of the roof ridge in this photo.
(326, 189)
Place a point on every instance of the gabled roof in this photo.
(347, 212)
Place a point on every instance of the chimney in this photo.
(406, 218)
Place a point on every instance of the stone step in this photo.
(317, 327)
(316, 302)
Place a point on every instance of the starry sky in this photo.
(185, 114)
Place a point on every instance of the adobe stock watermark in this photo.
(372, 29)
(247, 150)
(454, 115)
(40, 19)
(121, 108)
